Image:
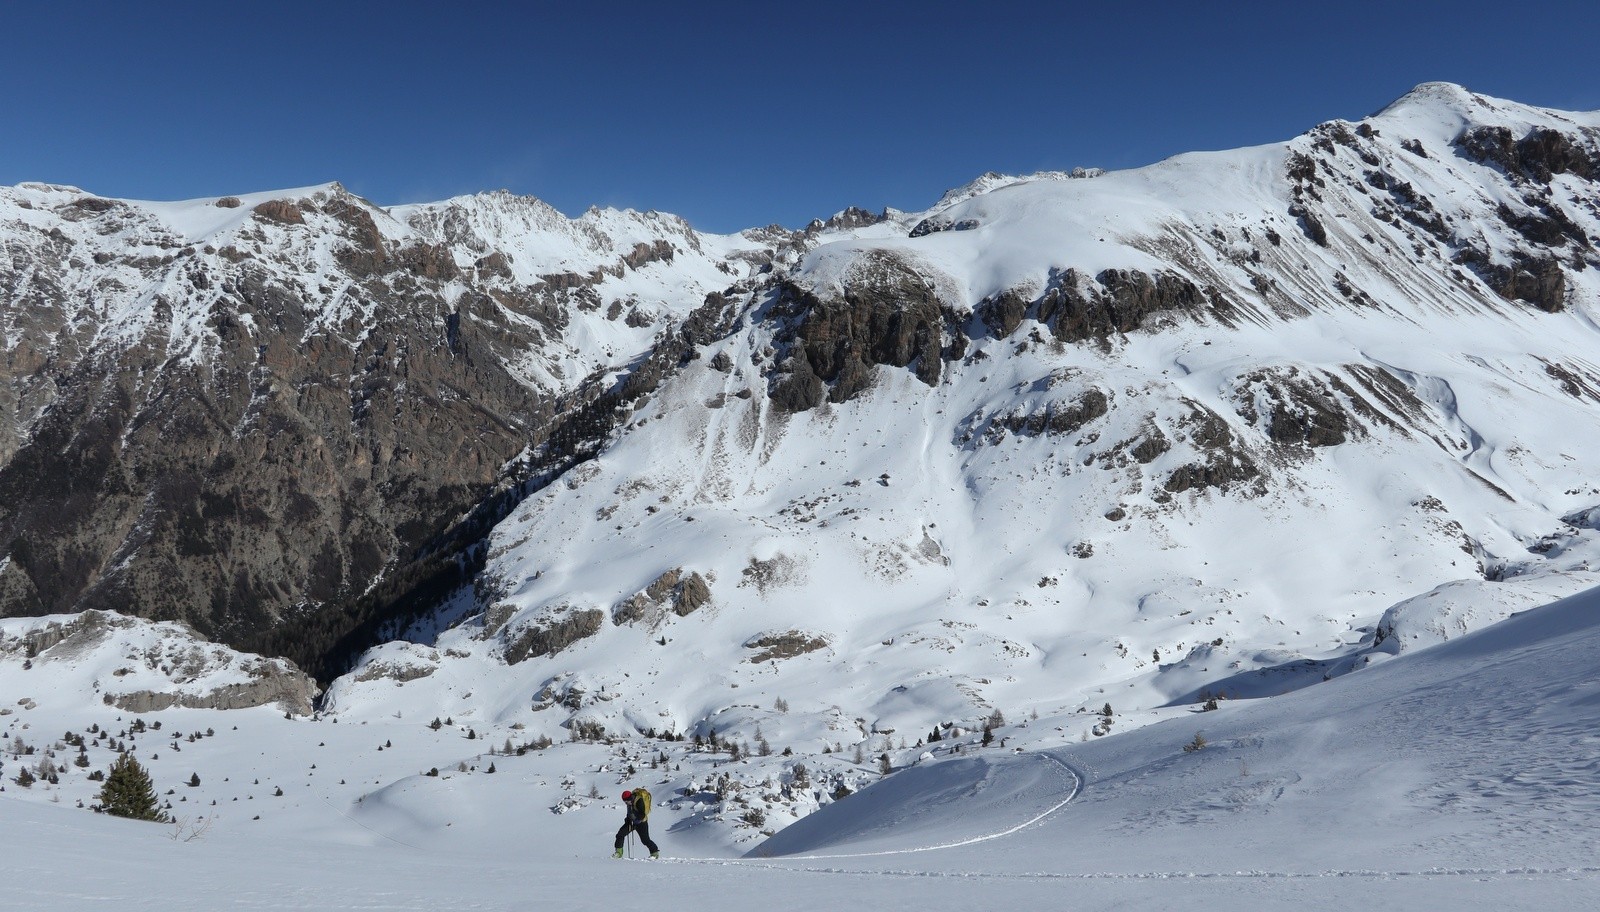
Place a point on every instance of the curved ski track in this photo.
(1078, 783)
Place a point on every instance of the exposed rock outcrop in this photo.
(284, 212)
(785, 645)
(162, 665)
(1056, 419)
(388, 669)
(888, 315)
(682, 593)
(1003, 313)
(1539, 281)
(1538, 155)
(936, 223)
(1293, 408)
(1120, 301)
(1225, 462)
(552, 635)
(270, 684)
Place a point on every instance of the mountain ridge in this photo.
(516, 340)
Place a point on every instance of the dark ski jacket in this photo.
(639, 806)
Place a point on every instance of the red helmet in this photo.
(626, 795)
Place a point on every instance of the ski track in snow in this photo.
(1077, 787)
(1078, 781)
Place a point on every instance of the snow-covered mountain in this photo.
(1073, 455)
(1058, 433)
(1235, 422)
(186, 383)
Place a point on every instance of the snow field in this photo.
(1454, 777)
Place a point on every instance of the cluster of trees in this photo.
(995, 720)
(126, 787)
(127, 790)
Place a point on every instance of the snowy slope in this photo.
(1471, 756)
(1454, 777)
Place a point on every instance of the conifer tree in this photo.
(128, 792)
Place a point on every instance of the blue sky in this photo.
(729, 114)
